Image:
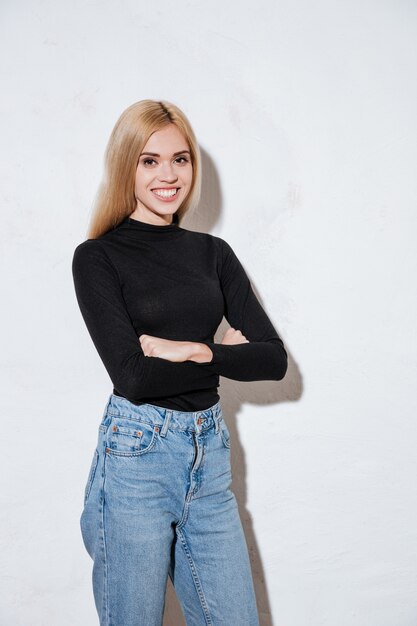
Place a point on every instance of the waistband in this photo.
(160, 416)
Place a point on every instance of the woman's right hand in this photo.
(232, 337)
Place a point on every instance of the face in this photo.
(164, 175)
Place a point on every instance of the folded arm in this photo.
(264, 357)
(104, 311)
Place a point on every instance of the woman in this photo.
(152, 294)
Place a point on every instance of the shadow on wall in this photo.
(233, 395)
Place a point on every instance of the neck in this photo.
(144, 219)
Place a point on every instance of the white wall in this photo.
(305, 113)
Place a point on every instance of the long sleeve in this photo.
(100, 299)
(264, 357)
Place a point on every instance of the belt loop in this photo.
(107, 406)
(217, 418)
(164, 428)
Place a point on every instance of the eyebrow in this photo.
(157, 155)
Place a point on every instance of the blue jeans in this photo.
(158, 503)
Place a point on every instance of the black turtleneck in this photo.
(169, 282)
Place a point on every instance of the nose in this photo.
(167, 173)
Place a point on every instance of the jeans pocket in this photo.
(91, 475)
(127, 437)
(224, 432)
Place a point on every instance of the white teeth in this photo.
(168, 193)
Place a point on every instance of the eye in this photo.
(181, 160)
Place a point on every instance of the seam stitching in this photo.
(196, 579)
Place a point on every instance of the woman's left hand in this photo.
(176, 351)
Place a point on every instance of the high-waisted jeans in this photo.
(158, 503)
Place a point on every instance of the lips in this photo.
(165, 193)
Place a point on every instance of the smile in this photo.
(165, 193)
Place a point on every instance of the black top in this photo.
(166, 281)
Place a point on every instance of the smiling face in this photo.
(164, 176)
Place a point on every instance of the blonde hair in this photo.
(115, 198)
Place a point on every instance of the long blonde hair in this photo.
(115, 198)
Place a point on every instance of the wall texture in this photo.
(305, 113)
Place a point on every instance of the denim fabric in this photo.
(158, 503)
